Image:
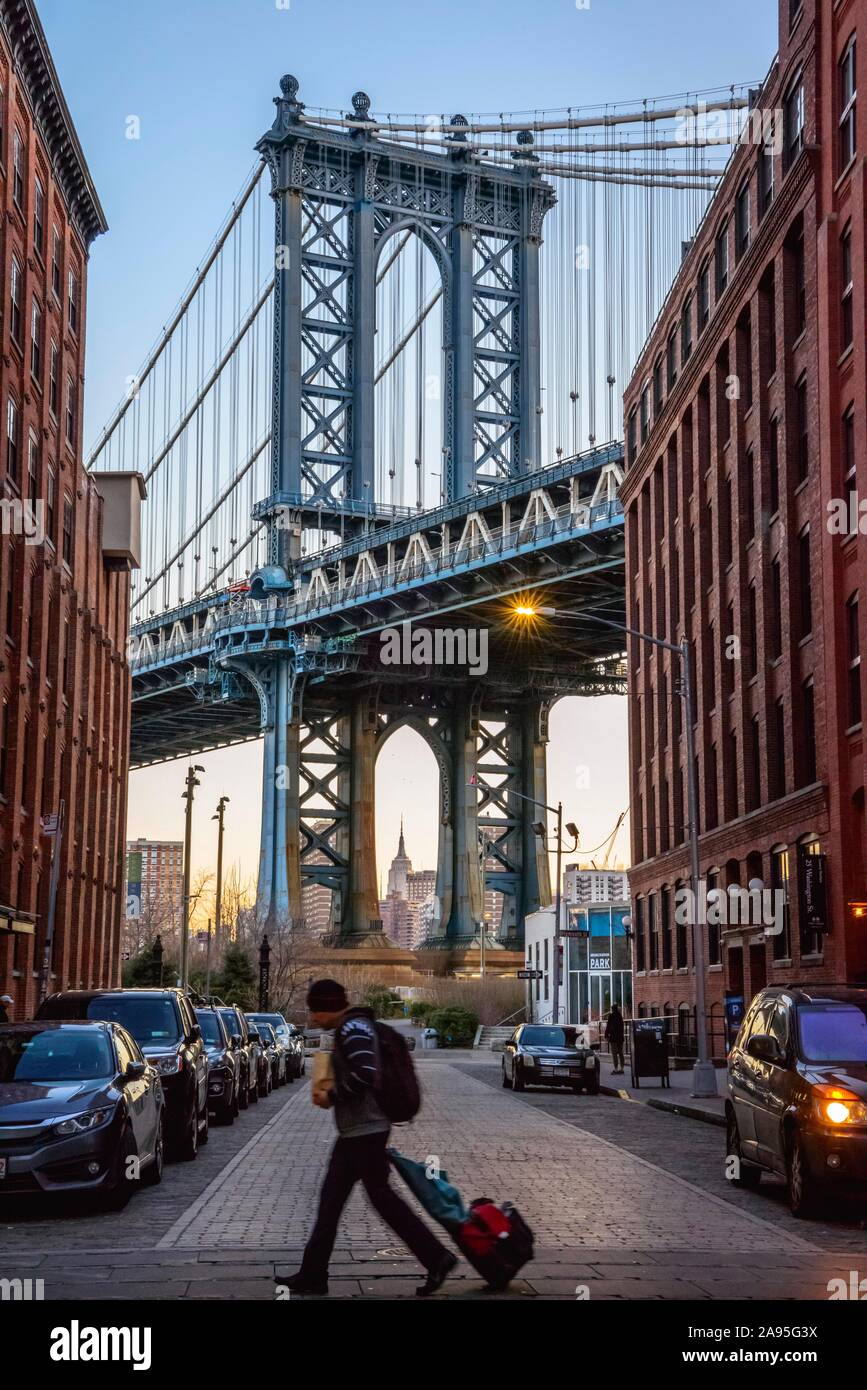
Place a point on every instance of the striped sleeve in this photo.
(358, 1049)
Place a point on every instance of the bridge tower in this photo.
(341, 194)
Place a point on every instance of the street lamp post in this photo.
(218, 906)
(703, 1073)
(191, 784)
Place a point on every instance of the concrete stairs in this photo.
(492, 1036)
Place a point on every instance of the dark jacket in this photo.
(356, 1076)
(4, 1017)
(614, 1029)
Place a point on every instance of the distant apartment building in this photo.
(589, 885)
(316, 897)
(155, 879)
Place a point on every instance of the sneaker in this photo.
(304, 1287)
(437, 1276)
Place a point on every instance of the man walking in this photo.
(359, 1155)
(614, 1031)
(6, 1002)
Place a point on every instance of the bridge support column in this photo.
(362, 908)
(467, 905)
(460, 465)
(536, 876)
(530, 357)
(279, 888)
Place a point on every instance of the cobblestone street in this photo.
(625, 1201)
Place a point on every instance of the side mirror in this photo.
(197, 1031)
(235, 1040)
(134, 1071)
(765, 1048)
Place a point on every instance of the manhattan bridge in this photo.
(389, 400)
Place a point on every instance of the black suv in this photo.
(797, 1083)
(164, 1025)
(246, 1050)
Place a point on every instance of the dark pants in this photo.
(617, 1054)
(364, 1160)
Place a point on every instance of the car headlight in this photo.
(82, 1124)
(839, 1107)
(527, 1060)
(590, 1059)
(168, 1066)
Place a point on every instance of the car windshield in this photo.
(55, 1055)
(231, 1022)
(833, 1033)
(548, 1037)
(210, 1026)
(151, 1021)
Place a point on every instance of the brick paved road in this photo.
(624, 1200)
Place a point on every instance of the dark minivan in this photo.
(165, 1026)
(797, 1084)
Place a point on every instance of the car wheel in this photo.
(505, 1078)
(153, 1174)
(121, 1188)
(243, 1094)
(592, 1087)
(517, 1078)
(747, 1174)
(189, 1145)
(804, 1191)
(254, 1093)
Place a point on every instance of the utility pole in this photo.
(208, 964)
(218, 911)
(558, 907)
(191, 783)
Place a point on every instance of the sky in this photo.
(200, 76)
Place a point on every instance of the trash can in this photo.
(430, 1038)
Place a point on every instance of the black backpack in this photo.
(398, 1093)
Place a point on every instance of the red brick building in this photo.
(64, 585)
(746, 439)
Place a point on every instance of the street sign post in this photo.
(529, 974)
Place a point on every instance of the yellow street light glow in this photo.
(525, 611)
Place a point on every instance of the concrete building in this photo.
(589, 885)
(68, 541)
(746, 437)
(154, 877)
(316, 897)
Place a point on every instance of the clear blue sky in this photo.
(200, 75)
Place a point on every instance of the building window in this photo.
(32, 469)
(640, 951)
(854, 655)
(680, 936)
(779, 750)
(71, 412)
(671, 359)
(703, 297)
(721, 259)
(847, 105)
(773, 467)
(55, 262)
(38, 215)
(805, 585)
(72, 301)
(811, 941)
(665, 926)
(54, 379)
(808, 733)
(18, 170)
(782, 944)
(749, 493)
(850, 489)
(4, 745)
(802, 440)
(67, 531)
(658, 390)
(686, 330)
(36, 339)
(795, 8)
(13, 438)
(16, 317)
(846, 295)
(800, 277)
(752, 632)
(776, 610)
(766, 173)
(652, 936)
(51, 505)
(630, 437)
(644, 414)
(742, 220)
(793, 123)
(713, 928)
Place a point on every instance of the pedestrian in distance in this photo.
(614, 1032)
(358, 1097)
(6, 1002)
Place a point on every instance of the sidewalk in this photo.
(676, 1097)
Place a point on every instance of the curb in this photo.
(692, 1112)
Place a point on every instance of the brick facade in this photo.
(64, 680)
(745, 424)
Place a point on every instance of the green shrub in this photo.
(456, 1026)
(420, 1010)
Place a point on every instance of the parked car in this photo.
(276, 1053)
(797, 1092)
(549, 1055)
(164, 1024)
(290, 1038)
(238, 1030)
(223, 1066)
(77, 1101)
(264, 1081)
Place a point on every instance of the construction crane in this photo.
(609, 843)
